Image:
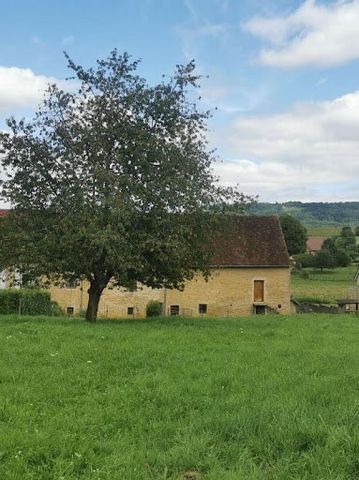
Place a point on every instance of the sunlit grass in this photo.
(251, 398)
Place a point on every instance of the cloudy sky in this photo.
(283, 74)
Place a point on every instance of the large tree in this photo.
(295, 234)
(112, 182)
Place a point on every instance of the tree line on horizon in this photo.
(312, 213)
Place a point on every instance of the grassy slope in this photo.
(255, 398)
(326, 286)
(323, 231)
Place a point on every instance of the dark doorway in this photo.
(260, 309)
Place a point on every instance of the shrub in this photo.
(342, 258)
(27, 302)
(304, 260)
(9, 301)
(154, 308)
(56, 310)
(324, 259)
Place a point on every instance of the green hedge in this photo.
(27, 302)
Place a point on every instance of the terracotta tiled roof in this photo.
(251, 241)
(314, 244)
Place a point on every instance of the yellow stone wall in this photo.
(114, 302)
(228, 292)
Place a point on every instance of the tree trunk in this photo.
(95, 292)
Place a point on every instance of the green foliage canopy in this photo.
(113, 181)
(339, 253)
(324, 259)
(295, 234)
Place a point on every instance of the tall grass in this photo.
(251, 398)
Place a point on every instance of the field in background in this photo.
(257, 398)
(323, 231)
(323, 287)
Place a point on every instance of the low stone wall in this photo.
(315, 308)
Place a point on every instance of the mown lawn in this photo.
(251, 398)
(326, 287)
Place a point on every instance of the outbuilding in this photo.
(250, 274)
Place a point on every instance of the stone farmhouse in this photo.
(250, 274)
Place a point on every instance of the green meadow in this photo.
(323, 231)
(266, 397)
(323, 287)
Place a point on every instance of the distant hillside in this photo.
(313, 214)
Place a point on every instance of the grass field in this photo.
(326, 287)
(257, 398)
(326, 231)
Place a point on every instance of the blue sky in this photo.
(283, 74)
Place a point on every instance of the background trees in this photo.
(313, 213)
(337, 251)
(113, 182)
(295, 234)
(324, 259)
(347, 242)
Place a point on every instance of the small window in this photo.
(174, 310)
(202, 308)
(129, 310)
(70, 310)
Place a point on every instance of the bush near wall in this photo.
(153, 308)
(27, 302)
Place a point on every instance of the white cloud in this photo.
(21, 88)
(297, 154)
(313, 35)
